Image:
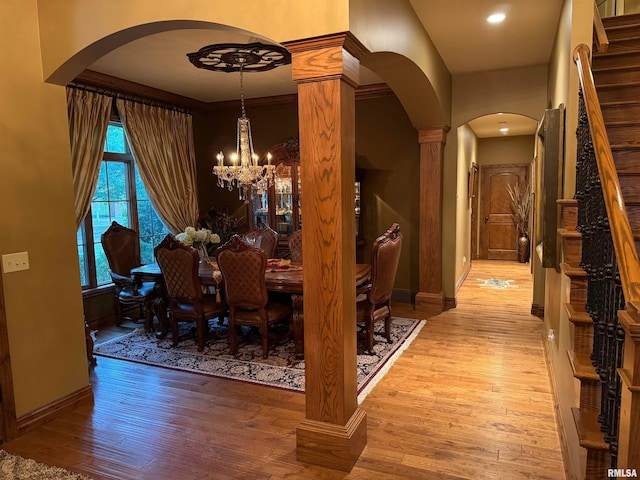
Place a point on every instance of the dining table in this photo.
(281, 275)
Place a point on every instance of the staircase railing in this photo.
(610, 259)
(601, 42)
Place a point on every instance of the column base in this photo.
(430, 303)
(332, 446)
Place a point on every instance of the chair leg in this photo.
(174, 329)
(370, 324)
(387, 327)
(118, 309)
(160, 309)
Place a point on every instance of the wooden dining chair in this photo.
(374, 301)
(243, 268)
(267, 238)
(295, 246)
(121, 246)
(179, 264)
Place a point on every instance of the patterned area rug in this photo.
(497, 283)
(13, 467)
(280, 369)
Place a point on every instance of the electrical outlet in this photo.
(464, 260)
(14, 262)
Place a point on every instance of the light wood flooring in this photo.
(469, 399)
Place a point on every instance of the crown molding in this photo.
(119, 85)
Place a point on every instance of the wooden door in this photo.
(498, 234)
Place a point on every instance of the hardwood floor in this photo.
(469, 399)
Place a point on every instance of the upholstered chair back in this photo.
(295, 246)
(179, 264)
(243, 268)
(384, 264)
(268, 238)
(121, 246)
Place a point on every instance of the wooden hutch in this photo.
(278, 205)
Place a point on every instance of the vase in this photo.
(203, 253)
(523, 249)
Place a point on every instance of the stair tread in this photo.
(616, 68)
(589, 433)
(582, 367)
(567, 201)
(605, 86)
(571, 271)
(577, 314)
(566, 233)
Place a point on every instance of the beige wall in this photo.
(467, 154)
(575, 28)
(43, 304)
(521, 91)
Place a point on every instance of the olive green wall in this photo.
(386, 149)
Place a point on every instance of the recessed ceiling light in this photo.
(504, 130)
(496, 18)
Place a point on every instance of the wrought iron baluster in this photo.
(604, 290)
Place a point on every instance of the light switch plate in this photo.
(14, 262)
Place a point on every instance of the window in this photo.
(120, 196)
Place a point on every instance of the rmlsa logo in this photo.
(622, 473)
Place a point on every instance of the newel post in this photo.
(628, 436)
(430, 298)
(334, 430)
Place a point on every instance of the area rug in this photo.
(281, 369)
(13, 467)
(496, 283)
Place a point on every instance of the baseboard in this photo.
(537, 310)
(463, 277)
(566, 458)
(48, 412)
(403, 296)
(450, 302)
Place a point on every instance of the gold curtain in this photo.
(88, 121)
(162, 144)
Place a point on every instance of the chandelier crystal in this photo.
(245, 170)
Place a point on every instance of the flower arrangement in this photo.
(520, 207)
(220, 221)
(193, 237)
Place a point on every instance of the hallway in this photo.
(469, 399)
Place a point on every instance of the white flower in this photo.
(191, 236)
(184, 238)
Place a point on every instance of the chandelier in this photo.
(245, 171)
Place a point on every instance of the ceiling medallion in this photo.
(231, 57)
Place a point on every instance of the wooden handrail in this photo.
(621, 232)
(601, 40)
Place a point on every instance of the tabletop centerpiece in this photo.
(200, 240)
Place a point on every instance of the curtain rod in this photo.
(126, 96)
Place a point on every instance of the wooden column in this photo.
(430, 298)
(326, 69)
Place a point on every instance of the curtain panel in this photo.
(88, 121)
(162, 144)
